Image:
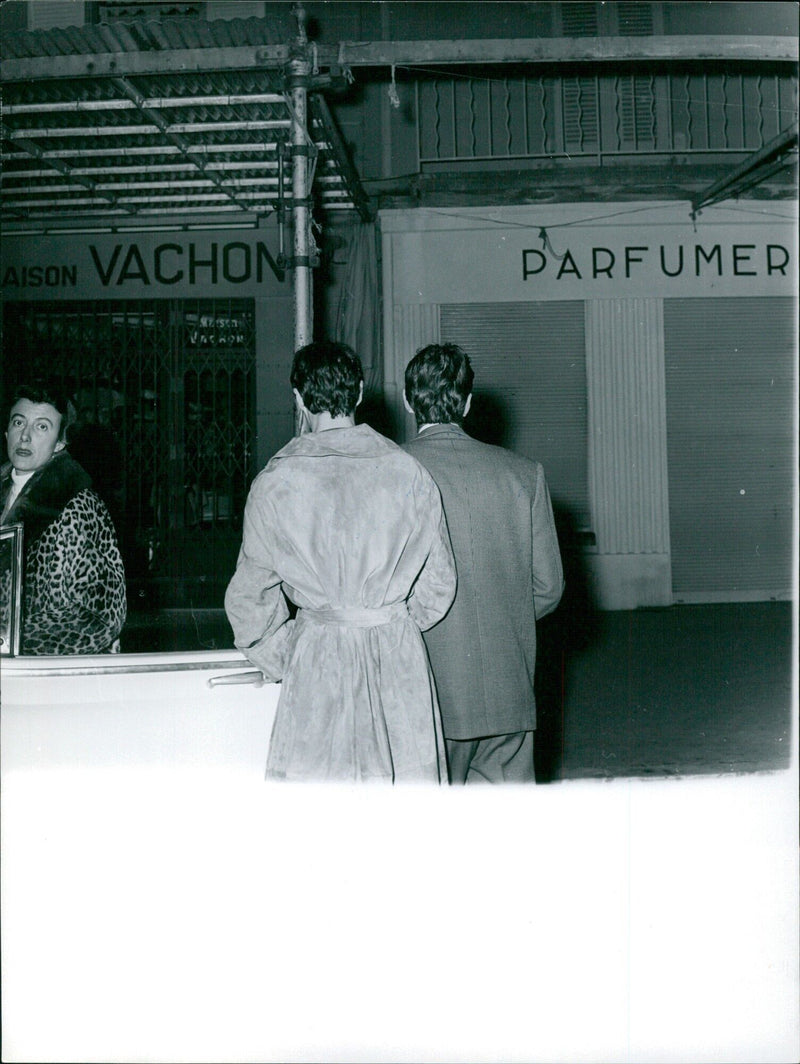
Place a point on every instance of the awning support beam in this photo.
(352, 54)
(761, 164)
(359, 197)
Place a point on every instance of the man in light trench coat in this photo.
(350, 529)
(499, 515)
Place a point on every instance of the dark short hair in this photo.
(438, 381)
(328, 376)
(45, 392)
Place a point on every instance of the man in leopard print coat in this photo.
(74, 581)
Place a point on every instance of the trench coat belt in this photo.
(355, 617)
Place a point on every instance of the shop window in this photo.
(166, 393)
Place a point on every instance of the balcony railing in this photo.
(690, 113)
(124, 11)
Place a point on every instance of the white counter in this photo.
(149, 710)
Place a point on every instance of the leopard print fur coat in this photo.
(74, 582)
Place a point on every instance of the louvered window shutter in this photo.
(600, 20)
(52, 14)
(579, 20)
(637, 113)
(634, 19)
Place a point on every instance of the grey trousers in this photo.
(492, 759)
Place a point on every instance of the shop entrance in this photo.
(163, 392)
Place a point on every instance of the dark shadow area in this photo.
(487, 419)
(562, 637)
(682, 691)
(569, 630)
(97, 449)
(373, 410)
(154, 631)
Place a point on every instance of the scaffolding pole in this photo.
(298, 79)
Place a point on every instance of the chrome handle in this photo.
(256, 678)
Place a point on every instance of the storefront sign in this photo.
(140, 266)
(697, 261)
(436, 257)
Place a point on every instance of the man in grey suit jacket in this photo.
(500, 519)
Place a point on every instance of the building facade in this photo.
(598, 201)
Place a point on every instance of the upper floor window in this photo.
(607, 20)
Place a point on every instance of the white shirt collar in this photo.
(20, 479)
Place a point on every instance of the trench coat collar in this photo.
(353, 441)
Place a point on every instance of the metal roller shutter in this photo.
(530, 388)
(730, 442)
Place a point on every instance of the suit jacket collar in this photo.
(439, 431)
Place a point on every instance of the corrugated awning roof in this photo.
(182, 119)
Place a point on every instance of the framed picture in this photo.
(10, 588)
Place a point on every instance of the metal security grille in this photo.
(530, 389)
(730, 367)
(163, 396)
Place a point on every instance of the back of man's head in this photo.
(328, 377)
(438, 383)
